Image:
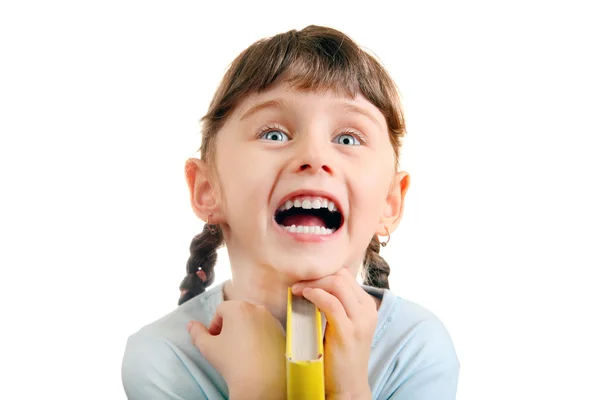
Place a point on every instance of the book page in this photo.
(305, 340)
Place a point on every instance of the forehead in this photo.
(285, 97)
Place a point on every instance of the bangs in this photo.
(315, 63)
(310, 60)
(321, 65)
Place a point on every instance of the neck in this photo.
(260, 285)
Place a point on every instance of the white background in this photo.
(99, 109)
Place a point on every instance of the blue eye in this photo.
(347, 140)
(275, 135)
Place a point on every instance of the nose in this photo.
(313, 156)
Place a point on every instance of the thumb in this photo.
(200, 335)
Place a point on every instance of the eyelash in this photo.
(359, 136)
(270, 128)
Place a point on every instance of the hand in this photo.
(351, 321)
(246, 345)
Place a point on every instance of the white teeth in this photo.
(311, 230)
(308, 203)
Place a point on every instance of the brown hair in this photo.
(313, 59)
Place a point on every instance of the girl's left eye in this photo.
(275, 135)
(347, 140)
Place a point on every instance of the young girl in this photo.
(298, 177)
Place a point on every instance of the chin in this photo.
(309, 266)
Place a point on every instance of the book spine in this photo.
(305, 379)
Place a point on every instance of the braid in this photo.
(201, 264)
(375, 269)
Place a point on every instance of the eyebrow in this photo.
(262, 106)
(351, 108)
(277, 104)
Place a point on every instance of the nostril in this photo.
(325, 168)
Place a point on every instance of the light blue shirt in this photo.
(412, 355)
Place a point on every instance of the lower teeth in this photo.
(311, 230)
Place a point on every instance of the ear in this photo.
(202, 194)
(394, 206)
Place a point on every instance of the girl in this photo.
(298, 177)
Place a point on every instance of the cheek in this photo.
(371, 184)
(245, 187)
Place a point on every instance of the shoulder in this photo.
(413, 351)
(161, 362)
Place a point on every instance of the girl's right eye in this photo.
(275, 135)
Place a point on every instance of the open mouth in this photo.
(309, 215)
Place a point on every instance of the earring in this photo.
(383, 244)
(201, 275)
(212, 228)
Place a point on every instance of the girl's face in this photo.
(304, 181)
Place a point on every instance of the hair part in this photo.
(315, 59)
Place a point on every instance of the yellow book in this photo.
(304, 350)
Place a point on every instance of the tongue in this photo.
(303, 220)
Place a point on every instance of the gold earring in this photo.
(383, 244)
(212, 228)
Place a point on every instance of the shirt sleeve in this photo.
(152, 370)
(428, 368)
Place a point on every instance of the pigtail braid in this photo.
(375, 270)
(201, 264)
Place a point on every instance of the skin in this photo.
(320, 146)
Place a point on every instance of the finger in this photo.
(223, 310)
(339, 287)
(200, 335)
(360, 293)
(331, 306)
(228, 309)
(216, 325)
(343, 273)
(366, 313)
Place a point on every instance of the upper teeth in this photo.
(308, 203)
